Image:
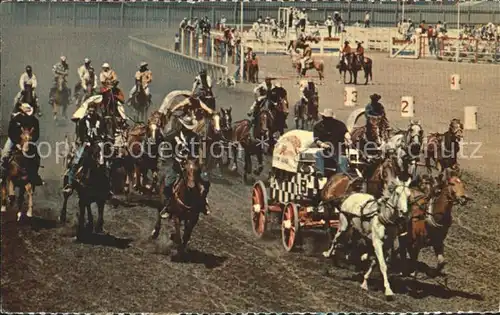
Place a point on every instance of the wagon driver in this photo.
(332, 136)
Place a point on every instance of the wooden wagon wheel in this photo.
(290, 226)
(259, 210)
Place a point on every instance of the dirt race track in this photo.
(44, 269)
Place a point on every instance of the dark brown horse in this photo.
(20, 167)
(372, 136)
(431, 217)
(92, 186)
(443, 149)
(185, 206)
(353, 63)
(307, 114)
(28, 96)
(144, 142)
(252, 144)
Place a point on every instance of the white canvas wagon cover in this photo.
(287, 151)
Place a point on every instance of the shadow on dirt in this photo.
(105, 240)
(197, 257)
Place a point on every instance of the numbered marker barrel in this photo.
(455, 82)
(407, 106)
(470, 118)
(350, 96)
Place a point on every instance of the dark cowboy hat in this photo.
(375, 97)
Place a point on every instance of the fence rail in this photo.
(162, 15)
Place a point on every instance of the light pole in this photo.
(242, 64)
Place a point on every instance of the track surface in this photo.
(43, 268)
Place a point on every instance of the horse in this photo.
(252, 67)
(239, 135)
(279, 97)
(367, 66)
(318, 65)
(28, 96)
(210, 135)
(407, 144)
(300, 44)
(83, 94)
(23, 163)
(109, 108)
(146, 138)
(62, 95)
(431, 218)
(443, 149)
(307, 114)
(185, 206)
(92, 185)
(140, 101)
(374, 218)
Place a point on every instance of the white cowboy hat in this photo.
(278, 84)
(63, 58)
(188, 122)
(327, 112)
(26, 108)
(86, 60)
(143, 64)
(105, 65)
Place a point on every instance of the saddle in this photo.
(138, 131)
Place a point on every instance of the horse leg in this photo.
(188, 230)
(343, 224)
(100, 217)
(62, 215)
(366, 276)
(439, 252)
(28, 188)
(4, 197)
(80, 232)
(176, 236)
(12, 193)
(90, 219)
(20, 203)
(260, 160)
(137, 175)
(248, 164)
(234, 149)
(378, 234)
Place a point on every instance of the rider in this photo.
(332, 136)
(90, 130)
(346, 50)
(144, 76)
(187, 144)
(360, 52)
(306, 57)
(374, 112)
(109, 80)
(262, 93)
(23, 119)
(60, 69)
(27, 79)
(83, 71)
(307, 92)
(202, 88)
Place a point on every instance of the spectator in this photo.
(431, 39)
(222, 23)
(177, 45)
(329, 25)
(367, 19)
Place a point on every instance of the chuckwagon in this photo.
(292, 190)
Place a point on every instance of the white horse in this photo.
(372, 218)
(407, 145)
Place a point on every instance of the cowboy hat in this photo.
(327, 112)
(375, 97)
(143, 64)
(26, 108)
(188, 122)
(105, 65)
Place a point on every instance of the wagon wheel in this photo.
(290, 226)
(259, 210)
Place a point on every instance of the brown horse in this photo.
(352, 63)
(144, 142)
(18, 171)
(62, 95)
(140, 101)
(431, 217)
(443, 149)
(318, 65)
(185, 206)
(380, 174)
(28, 96)
(211, 151)
(239, 135)
(295, 44)
(307, 114)
(92, 186)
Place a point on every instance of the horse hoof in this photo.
(20, 216)
(154, 234)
